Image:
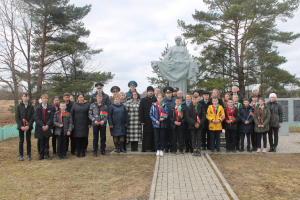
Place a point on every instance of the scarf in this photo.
(159, 105)
(188, 103)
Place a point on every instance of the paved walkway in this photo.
(186, 177)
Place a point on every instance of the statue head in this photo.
(178, 40)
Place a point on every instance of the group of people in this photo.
(163, 124)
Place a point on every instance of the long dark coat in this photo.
(40, 122)
(245, 116)
(81, 121)
(205, 106)
(144, 111)
(276, 113)
(117, 117)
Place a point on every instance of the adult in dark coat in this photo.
(144, 110)
(82, 123)
(105, 100)
(24, 118)
(118, 120)
(235, 90)
(69, 104)
(43, 117)
(255, 91)
(215, 93)
(205, 102)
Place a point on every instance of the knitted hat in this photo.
(272, 95)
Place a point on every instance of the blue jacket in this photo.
(244, 115)
(170, 105)
(154, 115)
(173, 118)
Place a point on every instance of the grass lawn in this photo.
(104, 177)
(261, 176)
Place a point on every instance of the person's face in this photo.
(205, 96)
(135, 96)
(246, 103)
(215, 94)
(179, 94)
(80, 99)
(99, 90)
(44, 100)
(178, 102)
(188, 98)
(273, 99)
(56, 101)
(226, 97)
(157, 91)
(230, 103)
(132, 88)
(169, 95)
(196, 94)
(117, 100)
(255, 92)
(234, 89)
(235, 99)
(62, 107)
(25, 98)
(159, 99)
(150, 93)
(175, 94)
(177, 41)
(195, 100)
(66, 98)
(99, 100)
(215, 101)
(115, 93)
(122, 96)
(254, 99)
(261, 102)
(71, 98)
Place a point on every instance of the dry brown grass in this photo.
(104, 177)
(261, 176)
(6, 117)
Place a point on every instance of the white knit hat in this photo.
(272, 95)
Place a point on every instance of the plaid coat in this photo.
(134, 128)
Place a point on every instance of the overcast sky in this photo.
(133, 33)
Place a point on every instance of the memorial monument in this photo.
(178, 66)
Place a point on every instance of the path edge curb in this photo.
(154, 179)
(225, 183)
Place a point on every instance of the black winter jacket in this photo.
(40, 121)
(22, 113)
(191, 117)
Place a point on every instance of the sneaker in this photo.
(218, 150)
(264, 150)
(29, 157)
(41, 157)
(174, 153)
(103, 153)
(227, 151)
(199, 152)
(58, 158)
(157, 153)
(233, 151)
(258, 150)
(48, 157)
(195, 152)
(161, 153)
(181, 152)
(65, 157)
(95, 154)
(21, 158)
(242, 149)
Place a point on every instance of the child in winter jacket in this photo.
(246, 123)
(159, 114)
(215, 115)
(230, 125)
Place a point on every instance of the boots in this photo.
(83, 152)
(117, 147)
(78, 153)
(136, 146)
(271, 149)
(122, 147)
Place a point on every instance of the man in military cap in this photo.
(170, 102)
(205, 131)
(132, 88)
(175, 90)
(114, 90)
(105, 100)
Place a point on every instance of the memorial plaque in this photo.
(285, 110)
(296, 110)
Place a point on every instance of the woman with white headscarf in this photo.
(275, 122)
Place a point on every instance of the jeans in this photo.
(273, 130)
(215, 138)
(178, 132)
(62, 144)
(159, 137)
(168, 139)
(96, 130)
(264, 135)
(230, 139)
(243, 139)
(44, 146)
(196, 138)
(28, 141)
